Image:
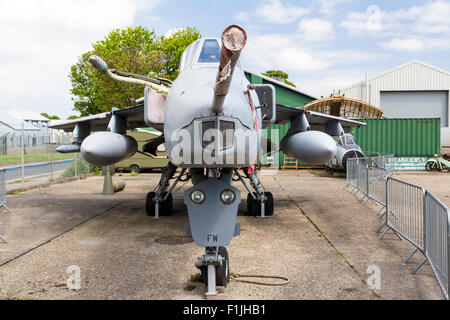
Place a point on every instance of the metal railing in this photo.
(405, 211)
(3, 197)
(362, 181)
(412, 213)
(3, 190)
(437, 248)
(377, 178)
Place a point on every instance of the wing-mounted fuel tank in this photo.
(102, 148)
(107, 148)
(312, 147)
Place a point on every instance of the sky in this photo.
(323, 45)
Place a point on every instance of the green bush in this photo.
(82, 168)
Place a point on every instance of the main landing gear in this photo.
(160, 202)
(259, 203)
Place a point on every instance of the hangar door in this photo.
(415, 104)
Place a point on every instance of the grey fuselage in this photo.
(189, 104)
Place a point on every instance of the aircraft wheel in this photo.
(165, 208)
(254, 207)
(268, 207)
(222, 271)
(135, 168)
(150, 204)
(251, 205)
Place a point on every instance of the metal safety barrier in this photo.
(3, 197)
(405, 212)
(352, 173)
(437, 233)
(377, 178)
(3, 191)
(362, 182)
(386, 161)
(412, 213)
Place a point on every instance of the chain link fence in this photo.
(25, 158)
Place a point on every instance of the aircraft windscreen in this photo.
(210, 52)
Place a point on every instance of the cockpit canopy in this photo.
(347, 140)
(203, 52)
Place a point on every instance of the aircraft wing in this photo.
(99, 122)
(316, 120)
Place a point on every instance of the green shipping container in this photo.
(291, 97)
(401, 137)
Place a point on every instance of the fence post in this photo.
(425, 213)
(367, 186)
(448, 253)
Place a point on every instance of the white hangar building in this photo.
(412, 90)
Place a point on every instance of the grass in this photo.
(19, 181)
(134, 174)
(12, 159)
(328, 174)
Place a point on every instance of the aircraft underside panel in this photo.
(212, 223)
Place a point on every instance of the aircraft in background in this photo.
(212, 118)
(346, 149)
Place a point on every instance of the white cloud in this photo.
(170, 32)
(280, 51)
(242, 16)
(330, 7)
(315, 29)
(286, 52)
(274, 11)
(409, 44)
(415, 22)
(42, 39)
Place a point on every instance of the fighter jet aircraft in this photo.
(212, 118)
(346, 149)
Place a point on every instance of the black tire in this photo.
(254, 207)
(269, 205)
(165, 208)
(250, 205)
(222, 271)
(135, 168)
(429, 166)
(150, 204)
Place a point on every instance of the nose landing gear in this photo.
(214, 266)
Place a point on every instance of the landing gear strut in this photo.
(214, 266)
(259, 203)
(160, 202)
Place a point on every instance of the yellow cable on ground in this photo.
(236, 276)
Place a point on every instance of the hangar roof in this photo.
(402, 66)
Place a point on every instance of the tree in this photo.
(172, 48)
(72, 117)
(49, 117)
(279, 75)
(135, 50)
